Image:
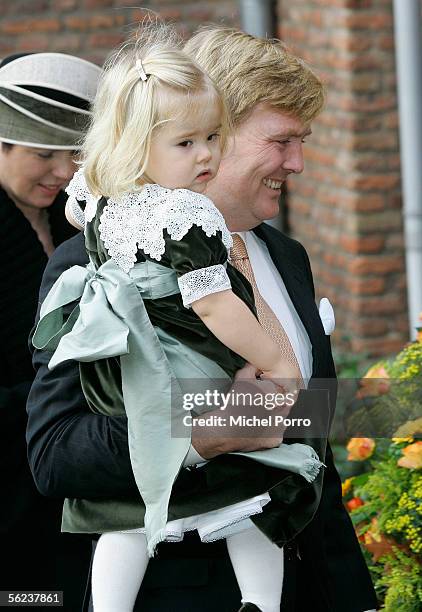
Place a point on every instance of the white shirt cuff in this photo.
(192, 458)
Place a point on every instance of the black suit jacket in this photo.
(75, 453)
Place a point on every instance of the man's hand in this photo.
(209, 442)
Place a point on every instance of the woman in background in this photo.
(44, 112)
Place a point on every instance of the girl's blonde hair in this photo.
(128, 109)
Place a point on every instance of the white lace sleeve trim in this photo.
(74, 209)
(138, 220)
(199, 283)
(78, 190)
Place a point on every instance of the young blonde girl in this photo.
(160, 304)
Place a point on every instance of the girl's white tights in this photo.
(259, 567)
(121, 559)
(119, 565)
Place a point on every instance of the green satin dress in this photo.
(139, 350)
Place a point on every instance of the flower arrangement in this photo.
(385, 500)
(390, 396)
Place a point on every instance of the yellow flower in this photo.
(360, 448)
(409, 429)
(346, 486)
(412, 456)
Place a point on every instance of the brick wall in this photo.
(346, 207)
(91, 28)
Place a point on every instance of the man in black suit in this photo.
(273, 98)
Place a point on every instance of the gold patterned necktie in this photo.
(239, 259)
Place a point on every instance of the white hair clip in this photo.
(139, 67)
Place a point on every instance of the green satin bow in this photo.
(111, 321)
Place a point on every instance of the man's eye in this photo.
(185, 143)
(48, 155)
(214, 136)
(288, 141)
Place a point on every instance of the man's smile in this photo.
(272, 183)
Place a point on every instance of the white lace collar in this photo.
(138, 220)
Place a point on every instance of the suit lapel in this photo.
(295, 279)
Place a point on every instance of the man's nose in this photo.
(294, 159)
(64, 167)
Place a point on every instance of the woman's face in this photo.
(33, 177)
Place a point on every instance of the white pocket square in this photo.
(326, 313)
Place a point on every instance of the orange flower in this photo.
(375, 382)
(412, 456)
(373, 388)
(377, 543)
(360, 448)
(354, 503)
(377, 371)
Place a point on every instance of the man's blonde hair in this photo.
(251, 70)
(128, 109)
